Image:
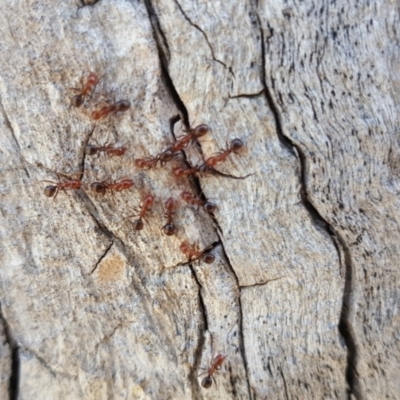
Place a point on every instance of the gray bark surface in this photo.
(303, 297)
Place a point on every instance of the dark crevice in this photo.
(13, 386)
(247, 95)
(198, 353)
(261, 283)
(163, 53)
(344, 324)
(284, 385)
(195, 183)
(205, 37)
(85, 143)
(102, 257)
(346, 328)
(10, 127)
(91, 208)
(43, 362)
(241, 338)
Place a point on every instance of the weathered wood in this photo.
(303, 295)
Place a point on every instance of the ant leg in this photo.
(57, 190)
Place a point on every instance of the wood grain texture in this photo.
(303, 295)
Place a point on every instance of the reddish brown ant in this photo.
(108, 149)
(170, 208)
(147, 205)
(103, 112)
(192, 134)
(68, 184)
(146, 163)
(91, 81)
(208, 206)
(117, 185)
(150, 162)
(235, 146)
(193, 253)
(215, 366)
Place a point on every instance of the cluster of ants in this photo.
(192, 252)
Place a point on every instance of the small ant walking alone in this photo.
(119, 106)
(215, 366)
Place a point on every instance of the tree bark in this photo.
(303, 296)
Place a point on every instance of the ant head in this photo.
(123, 105)
(138, 225)
(200, 130)
(77, 100)
(98, 187)
(166, 155)
(208, 258)
(236, 145)
(50, 190)
(209, 207)
(90, 150)
(169, 229)
(206, 382)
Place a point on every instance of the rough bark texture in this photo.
(303, 297)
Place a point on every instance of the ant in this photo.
(193, 253)
(147, 205)
(215, 366)
(108, 149)
(208, 206)
(91, 81)
(235, 146)
(193, 133)
(180, 172)
(118, 106)
(117, 185)
(170, 208)
(150, 162)
(69, 184)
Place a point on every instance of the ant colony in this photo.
(171, 154)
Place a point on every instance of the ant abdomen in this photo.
(50, 190)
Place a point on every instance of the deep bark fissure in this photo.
(240, 312)
(344, 324)
(13, 385)
(196, 183)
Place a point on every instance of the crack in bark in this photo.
(45, 364)
(344, 325)
(247, 95)
(205, 37)
(85, 143)
(198, 353)
(241, 338)
(195, 182)
(262, 283)
(284, 384)
(13, 385)
(8, 123)
(102, 257)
